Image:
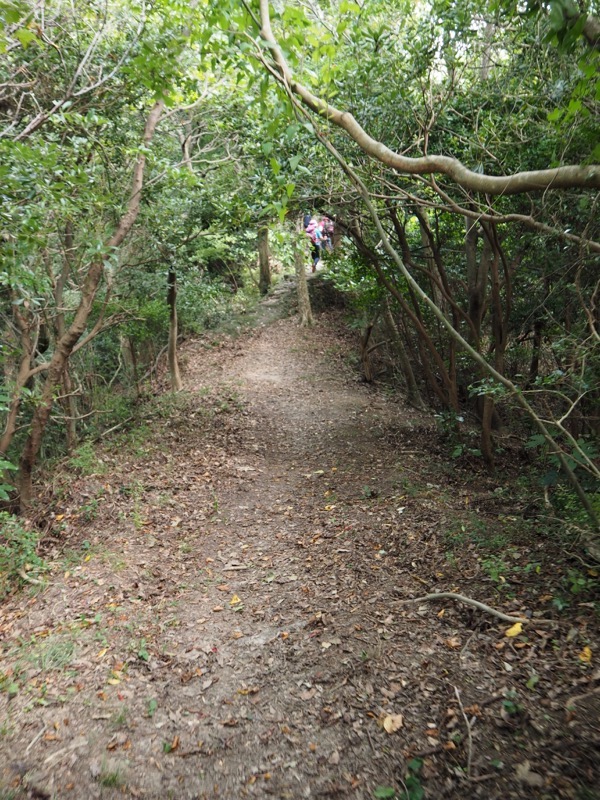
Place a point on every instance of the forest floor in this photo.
(224, 615)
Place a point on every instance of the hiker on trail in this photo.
(327, 228)
(314, 233)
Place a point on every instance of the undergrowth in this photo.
(19, 560)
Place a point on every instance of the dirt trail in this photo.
(228, 624)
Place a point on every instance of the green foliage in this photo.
(152, 707)
(6, 488)
(411, 789)
(18, 554)
(382, 792)
(582, 583)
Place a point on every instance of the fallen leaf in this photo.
(586, 655)
(218, 608)
(515, 630)
(393, 723)
(235, 600)
(449, 745)
(224, 587)
(525, 775)
(453, 642)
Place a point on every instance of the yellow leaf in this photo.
(102, 652)
(586, 655)
(58, 517)
(235, 600)
(113, 681)
(515, 630)
(393, 723)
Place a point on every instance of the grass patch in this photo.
(111, 777)
(53, 653)
(85, 460)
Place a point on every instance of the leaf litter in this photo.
(235, 625)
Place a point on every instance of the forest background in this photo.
(155, 162)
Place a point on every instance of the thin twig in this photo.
(36, 738)
(469, 734)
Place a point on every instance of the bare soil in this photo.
(224, 615)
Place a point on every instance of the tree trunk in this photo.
(365, 350)
(66, 343)
(534, 364)
(304, 308)
(176, 384)
(28, 347)
(70, 408)
(490, 417)
(413, 395)
(68, 402)
(449, 397)
(477, 274)
(264, 281)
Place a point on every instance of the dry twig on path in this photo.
(476, 604)
(469, 734)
